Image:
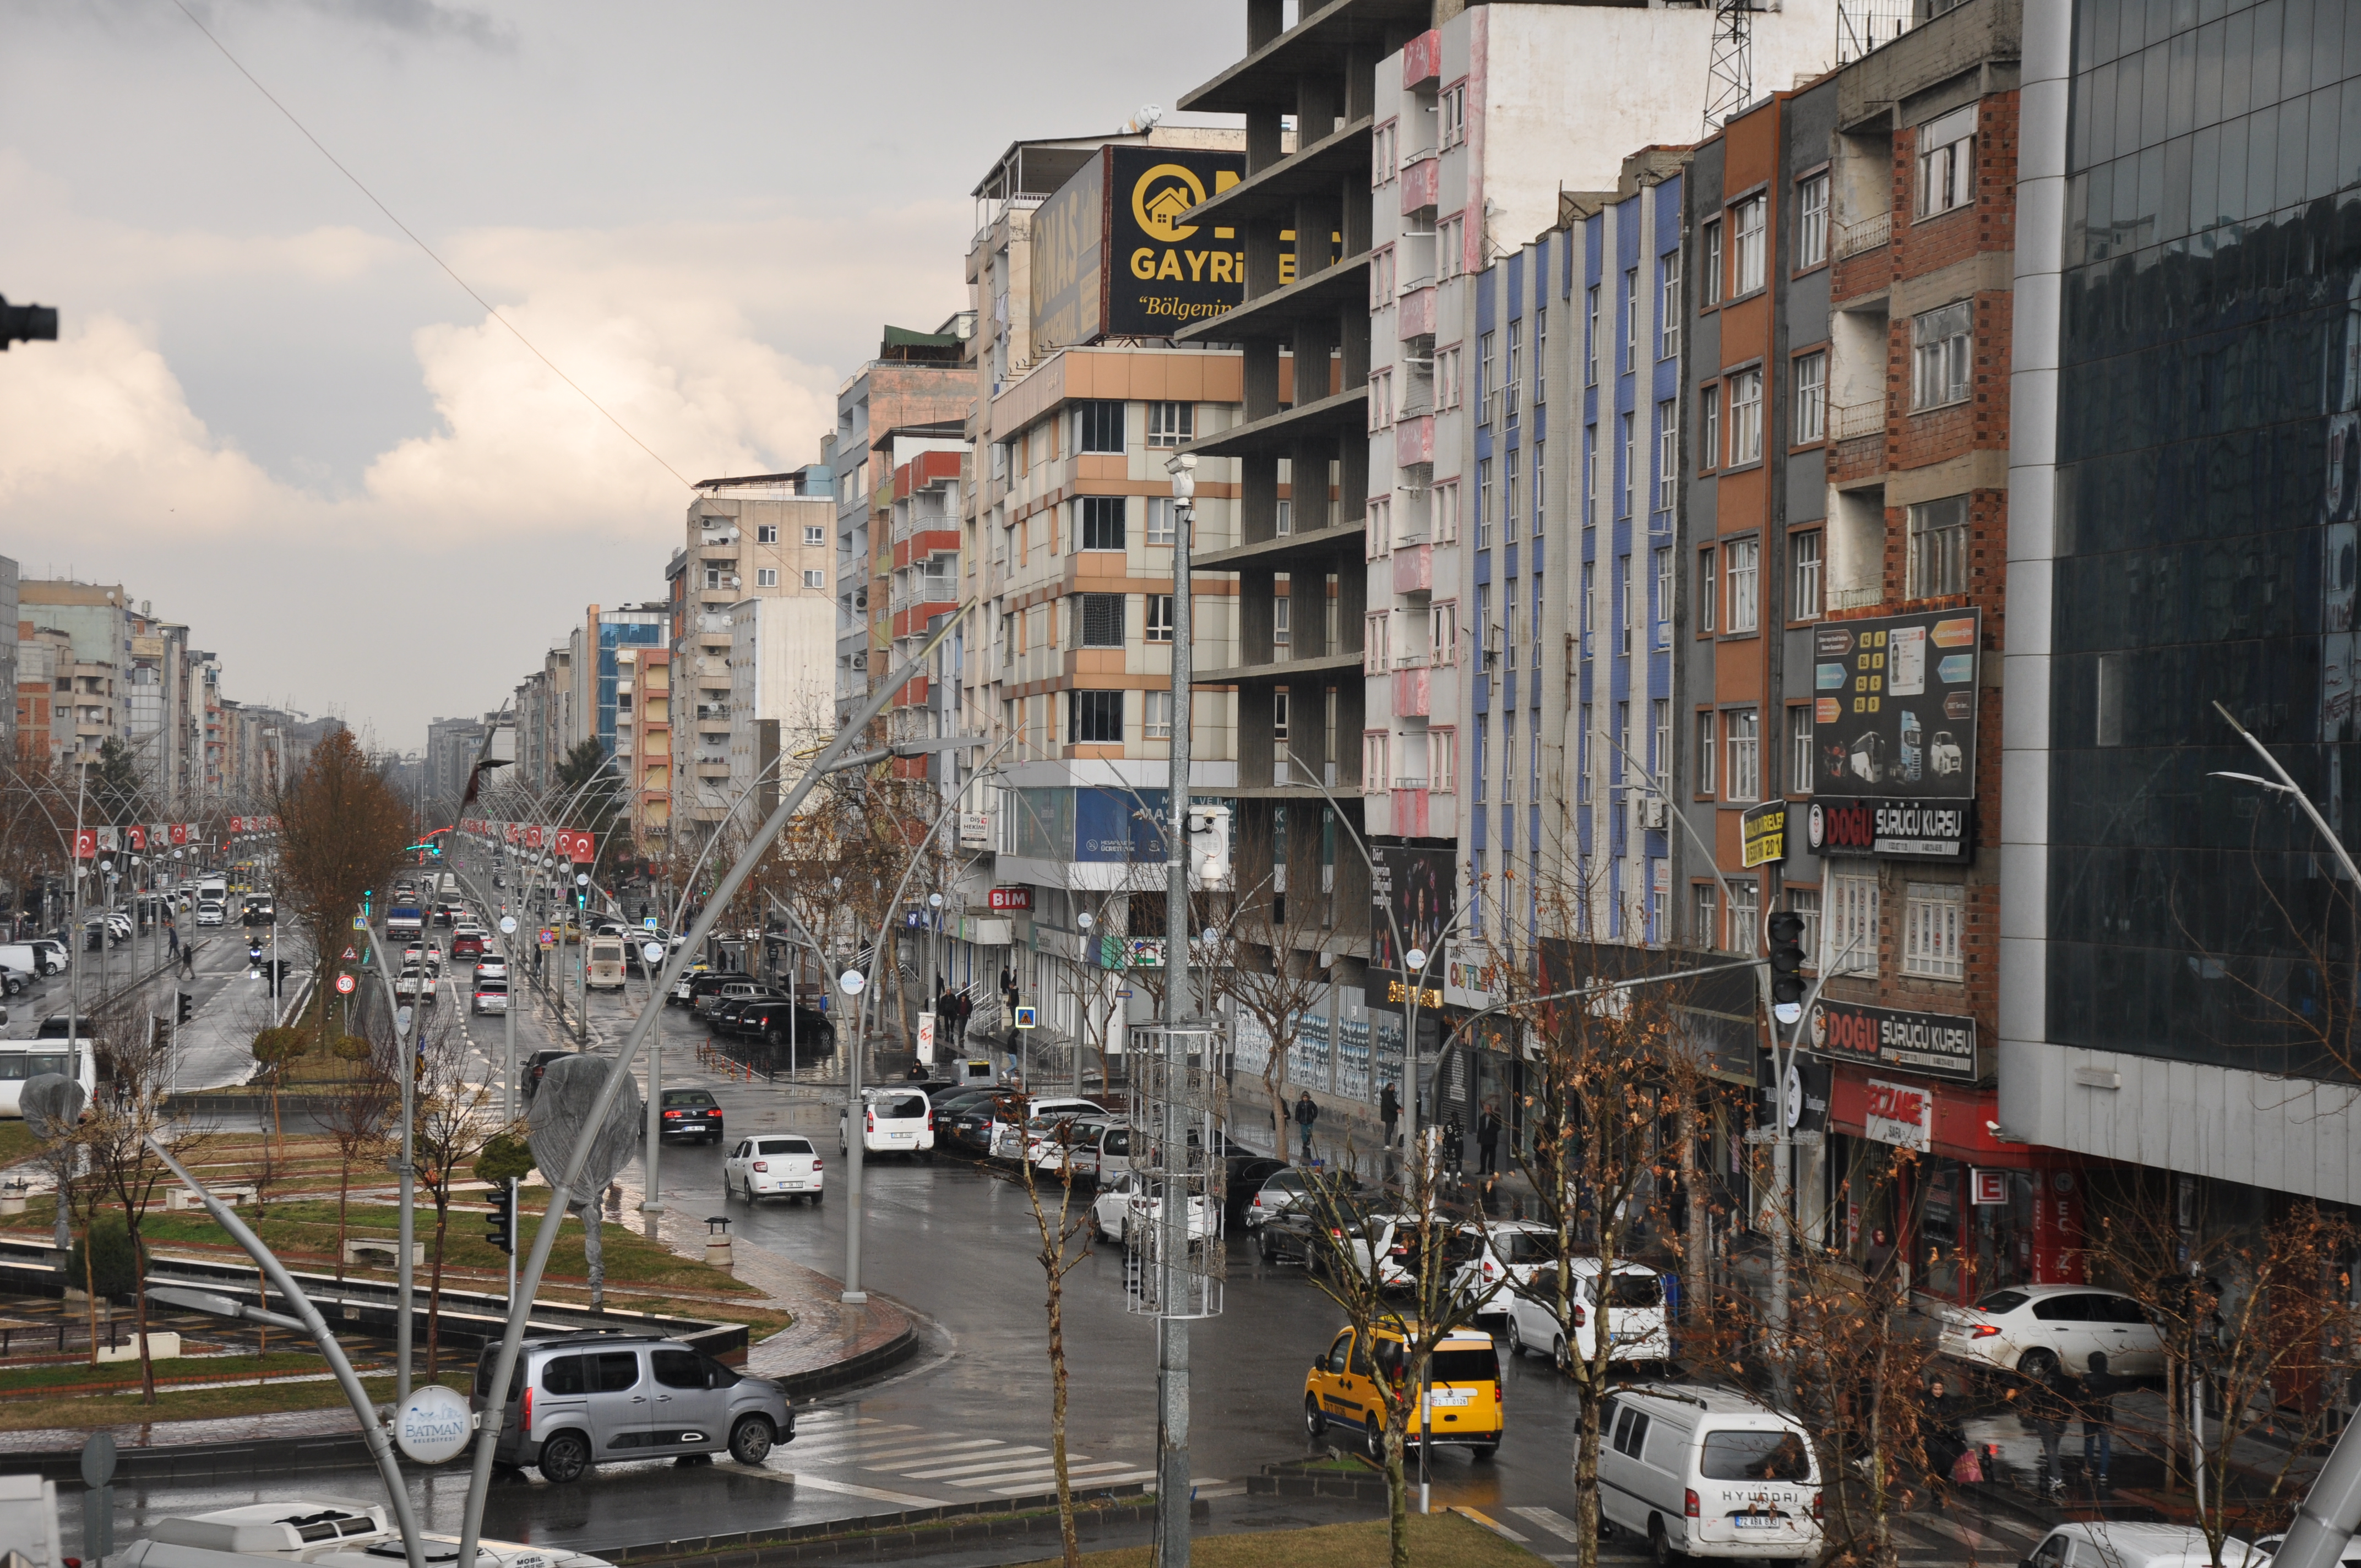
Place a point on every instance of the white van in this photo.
(2119, 1543)
(24, 1060)
(1635, 1313)
(895, 1121)
(31, 957)
(606, 961)
(1708, 1473)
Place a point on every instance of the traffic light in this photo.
(1786, 928)
(499, 1225)
(188, 1007)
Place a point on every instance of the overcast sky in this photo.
(274, 417)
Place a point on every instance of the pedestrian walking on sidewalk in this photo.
(1388, 1112)
(1306, 1113)
(2045, 1405)
(172, 939)
(2098, 1406)
(1487, 1141)
(188, 961)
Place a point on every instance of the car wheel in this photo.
(2041, 1365)
(1485, 1450)
(565, 1458)
(1660, 1545)
(816, 1198)
(751, 1438)
(1373, 1442)
(1269, 1253)
(1315, 1424)
(1563, 1362)
(1516, 1340)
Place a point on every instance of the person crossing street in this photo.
(1306, 1113)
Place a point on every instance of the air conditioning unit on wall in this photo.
(1656, 814)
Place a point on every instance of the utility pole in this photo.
(1172, 1533)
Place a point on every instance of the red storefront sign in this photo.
(1010, 898)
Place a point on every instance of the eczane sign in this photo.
(1902, 1114)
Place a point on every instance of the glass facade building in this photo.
(2207, 468)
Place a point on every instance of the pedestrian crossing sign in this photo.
(361, 922)
(1025, 1016)
(350, 955)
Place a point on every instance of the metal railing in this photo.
(1857, 420)
(1854, 598)
(1869, 232)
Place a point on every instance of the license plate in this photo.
(1451, 1398)
(1753, 1522)
(1626, 1336)
(792, 1186)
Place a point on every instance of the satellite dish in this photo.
(1149, 115)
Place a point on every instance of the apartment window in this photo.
(1708, 594)
(1745, 917)
(1804, 552)
(1488, 644)
(1708, 929)
(1708, 426)
(1484, 383)
(1623, 575)
(1159, 714)
(1663, 559)
(1940, 367)
(1446, 514)
(1811, 398)
(1589, 474)
(1938, 547)
(1381, 400)
(1743, 559)
(1443, 630)
(1590, 342)
(1159, 618)
(1540, 489)
(1169, 424)
(1383, 147)
(1631, 319)
(1743, 742)
(766, 576)
(1541, 356)
(1805, 902)
(1376, 633)
(1286, 523)
(1446, 377)
(1668, 451)
(1589, 589)
(1707, 729)
(1631, 466)
(1442, 761)
(1946, 161)
(816, 579)
(1660, 746)
(1094, 718)
(1279, 705)
(1098, 426)
(1535, 621)
(1159, 520)
(767, 533)
(1799, 748)
(1712, 248)
(1853, 926)
(1749, 232)
(1475, 890)
(1509, 626)
(1282, 624)
(815, 534)
(1508, 758)
(1509, 496)
(1623, 764)
(1932, 915)
(1668, 307)
(1582, 754)
(1812, 221)
(1103, 521)
(1454, 113)
(1510, 370)
(1373, 762)
(714, 578)
(1101, 618)
(1484, 503)
(1746, 416)
(1483, 752)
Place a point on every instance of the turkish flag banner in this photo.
(563, 842)
(85, 843)
(237, 824)
(585, 848)
(139, 837)
(533, 838)
(183, 832)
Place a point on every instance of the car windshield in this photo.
(1455, 1364)
(1754, 1456)
(686, 1097)
(784, 1145)
(1284, 1181)
(16, 1065)
(492, 987)
(2002, 1302)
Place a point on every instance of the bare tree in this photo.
(1058, 1227)
(358, 1108)
(342, 830)
(452, 1119)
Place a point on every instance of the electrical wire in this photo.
(463, 285)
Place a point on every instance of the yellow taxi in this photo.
(1463, 1406)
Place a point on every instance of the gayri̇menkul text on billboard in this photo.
(1894, 710)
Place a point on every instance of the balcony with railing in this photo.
(1859, 239)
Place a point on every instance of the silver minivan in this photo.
(578, 1399)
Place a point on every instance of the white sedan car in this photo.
(774, 1165)
(1636, 1328)
(1501, 1256)
(413, 982)
(2036, 1329)
(1120, 1210)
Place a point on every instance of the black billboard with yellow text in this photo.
(1112, 259)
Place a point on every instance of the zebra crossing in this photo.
(1985, 1539)
(902, 1462)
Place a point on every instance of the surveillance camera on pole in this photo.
(1209, 845)
(26, 324)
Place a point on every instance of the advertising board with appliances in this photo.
(1942, 1045)
(1894, 717)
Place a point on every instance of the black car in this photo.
(769, 1020)
(725, 1015)
(1292, 1236)
(537, 1064)
(700, 987)
(690, 1113)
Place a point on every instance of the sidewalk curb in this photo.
(886, 1536)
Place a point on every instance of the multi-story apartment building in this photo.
(157, 720)
(918, 379)
(452, 746)
(94, 617)
(592, 652)
(756, 538)
(782, 689)
(543, 708)
(45, 732)
(644, 745)
(2173, 988)
(922, 509)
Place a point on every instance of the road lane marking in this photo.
(1015, 1475)
(1123, 1480)
(1495, 1526)
(1006, 1459)
(924, 1453)
(874, 1494)
(1550, 1519)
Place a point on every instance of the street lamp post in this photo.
(1171, 1531)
